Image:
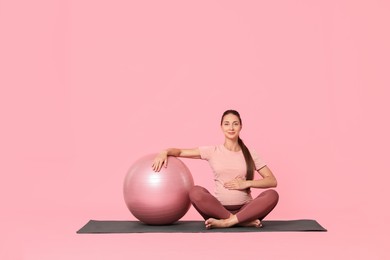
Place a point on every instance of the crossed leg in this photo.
(217, 215)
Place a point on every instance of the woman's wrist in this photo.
(164, 152)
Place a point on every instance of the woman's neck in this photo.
(232, 145)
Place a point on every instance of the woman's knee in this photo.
(197, 193)
(273, 194)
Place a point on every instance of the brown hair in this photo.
(250, 164)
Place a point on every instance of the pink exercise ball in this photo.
(158, 198)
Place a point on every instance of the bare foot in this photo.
(215, 223)
(221, 223)
(255, 223)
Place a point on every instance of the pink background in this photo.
(87, 87)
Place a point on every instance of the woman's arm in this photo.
(268, 181)
(162, 158)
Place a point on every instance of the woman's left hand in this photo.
(237, 184)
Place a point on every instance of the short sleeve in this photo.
(259, 163)
(206, 152)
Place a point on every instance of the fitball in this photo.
(158, 198)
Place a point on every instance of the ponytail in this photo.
(250, 164)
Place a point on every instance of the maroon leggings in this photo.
(209, 207)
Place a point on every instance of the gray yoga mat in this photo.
(118, 226)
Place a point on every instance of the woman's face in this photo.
(231, 126)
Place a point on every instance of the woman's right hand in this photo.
(160, 161)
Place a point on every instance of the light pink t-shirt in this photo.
(226, 166)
